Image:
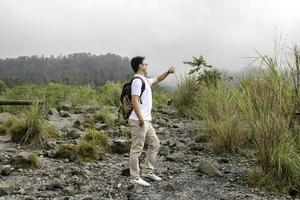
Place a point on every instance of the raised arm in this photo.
(162, 76)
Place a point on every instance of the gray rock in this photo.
(223, 160)
(100, 126)
(6, 188)
(161, 122)
(30, 197)
(126, 172)
(50, 144)
(181, 145)
(120, 146)
(175, 126)
(77, 123)
(166, 111)
(177, 157)
(54, 112)
(42, 187)
(32, 189)
(169, 187)
(155, 126)
(73, 134)
(66, 105)
(6, 170)
(84, 188)
(64, 114)
(164, 151)
(208, 168)
(197, 146)
(172, 143)
(57, 183)
(69, 190)
(160, 130)
(21, 191)
(4, 117)
(52, 153)
(85, 109)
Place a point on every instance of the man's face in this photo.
(144, 68)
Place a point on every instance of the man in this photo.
(140, 122)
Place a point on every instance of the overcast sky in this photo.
(167, 32)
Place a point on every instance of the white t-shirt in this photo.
(136, 89)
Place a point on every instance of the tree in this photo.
(205, 73)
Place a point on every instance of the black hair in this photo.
(135, 62)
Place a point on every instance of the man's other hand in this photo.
(171, 70)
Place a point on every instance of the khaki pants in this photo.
(140, 135)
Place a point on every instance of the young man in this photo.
(140, 122)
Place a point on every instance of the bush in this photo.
(25, 160)
(185, 99)
(55, 93)
(96, 137)
(3, 129)
(160, 97)
(67, 151)
(33, 130)
(90, 148)
(83, 95)
(109, 94)
(87, 151)
(121, 146)
(107, 114)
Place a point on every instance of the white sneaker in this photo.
(139, 181)
(152, 176)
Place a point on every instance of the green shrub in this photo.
(83, 95)
(87, 151)
(121, 147)
(185, 98)
(56, 93)
(160, 97)
(96, 137)
(33, 130)
(107, 114)
(67, 151)
(32, 161)
(109, 94)
(3, 129)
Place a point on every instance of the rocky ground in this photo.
(188, 169)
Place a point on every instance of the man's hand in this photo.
(171, 70)
(141, 122)
(161, 77)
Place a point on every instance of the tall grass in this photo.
(268, 108)
(32, 130)
(185, 98)
(258, 114)
(223, 121)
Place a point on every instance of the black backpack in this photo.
(125, 99)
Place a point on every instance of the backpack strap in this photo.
(143, 86)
